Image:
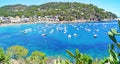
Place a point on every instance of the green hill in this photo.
(64, 10)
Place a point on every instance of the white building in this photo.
(25, 19)
(5, 19)
(15, 20)
(1, 18)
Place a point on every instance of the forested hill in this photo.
(64, 10)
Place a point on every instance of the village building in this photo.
(16, 19)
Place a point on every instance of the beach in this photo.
(50, 22)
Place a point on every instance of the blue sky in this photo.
(108, 5)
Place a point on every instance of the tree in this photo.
(17, 52)
(37, 57)
(70, 11)
(3, 57)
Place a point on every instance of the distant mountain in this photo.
(64, 11)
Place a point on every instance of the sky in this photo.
(109, 5)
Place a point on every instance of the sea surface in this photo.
(55, 39)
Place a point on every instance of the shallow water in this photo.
(54, 39)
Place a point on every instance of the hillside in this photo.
(64, 10)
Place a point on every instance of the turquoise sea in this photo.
(54, 39)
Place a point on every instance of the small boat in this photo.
(77, 29)
(43, 35)
(75, 34)
(52, 30)
(87, 29)
(97, 30)
(69, 36)
(95, 36)
(64, 32)
(26, 30)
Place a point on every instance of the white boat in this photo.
(75, 34)
(26, 30)
(51, 31)
(95, 36)
(69, 36)
(43, 35)
(87, 29)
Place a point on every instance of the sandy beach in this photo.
(47, 22)
(10, 24)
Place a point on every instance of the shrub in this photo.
(17, 52)
(37, 57)
(80, 58)
(3, 57)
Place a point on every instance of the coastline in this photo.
(51, 22)
(12, 24)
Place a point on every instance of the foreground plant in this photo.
(61, 61)
(80, 58)
(3, 57)
(17, 52)
(114, 57)
(37, 57)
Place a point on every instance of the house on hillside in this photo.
(5, 19)
(1, 18)
(16, 19)
(25, 19)
(54, 18)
